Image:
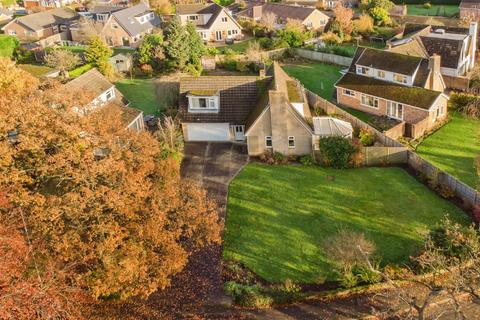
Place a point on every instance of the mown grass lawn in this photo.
(35, 69)
(140, 93)
(454, 148)
(278, 216)
(238, 47)
(435, 10)
(316, 77)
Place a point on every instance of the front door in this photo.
(218, 35)
(239, 132)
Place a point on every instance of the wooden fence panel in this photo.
(323, 57)
(377, 156)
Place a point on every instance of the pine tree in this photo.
(97, 52)
(177, 45)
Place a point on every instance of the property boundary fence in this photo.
(323, 57)
(395, 152)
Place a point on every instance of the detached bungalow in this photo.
(212, 22)
(37, 26)
(406, 88)
(106, 96)
(270, 113)
(310, 17)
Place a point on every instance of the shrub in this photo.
(365, 275)
(445, 191)
(336, 152)
(331, 38)
(279, 157)
(212, 51)
(266, 43)
(80, 70)
(229, 64)
(306, 160)
(348, 279)
(364, 24)
(242, 65)
(467, 104)
(367, 137)
(259, 32)
(427, 5)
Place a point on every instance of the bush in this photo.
(331, 38)
(257, 296)
(348, 279)
(364, 25)
(306, 160)
(367, 137)
(336, 152)
(366, 276)
(274, 158)
(229, 64)
(266, 43)
(259, 32)
(212, 51)
(279, 157)
(427, 5)
(467, 104)
(80, 70)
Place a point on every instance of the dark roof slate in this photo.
(282, 11)
(449, 49)
(44, 19)
(413, 96)
(239, 95)
(389, 61)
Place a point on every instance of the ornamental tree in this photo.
(63, 60)
(99, 201)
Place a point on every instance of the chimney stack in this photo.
(257, 12)
(435, 76)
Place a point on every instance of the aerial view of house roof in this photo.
(91, 80)
(44, 19)
(211, 9)
(394, 62)
(126, 18)
(282, 11)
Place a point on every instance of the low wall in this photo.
(377, 156)
(396, 132)
(459, 83)
(439, 177)
(323, 57)
(420, 128)
(330, 108)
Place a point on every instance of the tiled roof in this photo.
(449, 49)
(198, 8)
(238, 97)
(126, 18)
(44, 19)
(92, 81)
(282, 11)
(470, 4)
(414, 96)
(389, 61)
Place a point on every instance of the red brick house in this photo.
(401, 87)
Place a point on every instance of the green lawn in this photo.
(140, 93)
(364, 116)
(74, 49)
(435, 10)
(316, 76)
(37, 70)
(454, 147)
(239, 47)
(278, 216)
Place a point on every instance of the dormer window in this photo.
(363, 70)
(400, 78)
(193, 18)
(381, 74)
(203, 102)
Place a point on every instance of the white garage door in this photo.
(208, 132)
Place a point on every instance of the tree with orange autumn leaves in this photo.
(114, 226)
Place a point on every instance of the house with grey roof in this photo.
(402, 87)
(213, 22)
(310, 17)
(105, 95)
(456, 46)
(270, 113)
(128, 26)
(41, 25)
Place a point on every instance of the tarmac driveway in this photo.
(214, 165)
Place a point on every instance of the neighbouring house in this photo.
(41, 25)
(100, 13)
(122, 62)
(401, 87)
(470, 10)
(212, 21)
(47, 4)
(106, 96)
(270, 113)
(330, 4)
(456, 46)
(310, 17)
(118, 27)
(5, 15)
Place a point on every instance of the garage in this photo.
(208, 131)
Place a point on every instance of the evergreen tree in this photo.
(151, 50)
(177, 45)
(98, 53)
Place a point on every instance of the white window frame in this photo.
(348, 93)
(211, 104)
(375, 101)
(361, 69)
(404, 78)
(12, 32)
(393, 110)
(193, 18)
(291, 139)
(267, 140)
